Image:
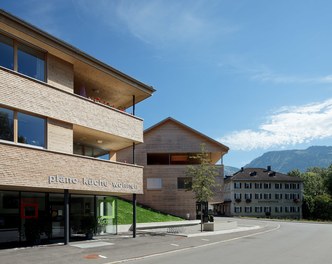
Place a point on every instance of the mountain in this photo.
(287, 160)
(229, 171)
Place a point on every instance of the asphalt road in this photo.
(274, 242)
(294, 243)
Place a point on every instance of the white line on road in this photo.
(189, 248)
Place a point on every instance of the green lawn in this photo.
(125, 214)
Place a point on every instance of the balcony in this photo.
(45, 100)
(28, 167)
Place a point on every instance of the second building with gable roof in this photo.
(167, 151)
(259, 192)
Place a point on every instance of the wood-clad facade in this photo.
(165, 155)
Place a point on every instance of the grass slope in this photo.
(125, 214)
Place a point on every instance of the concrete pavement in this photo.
(149, 241)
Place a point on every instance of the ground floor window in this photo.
(35, 217)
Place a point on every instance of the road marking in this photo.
(190, 248)
(175, 245)
(204, 239)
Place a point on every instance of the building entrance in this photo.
(29, 218)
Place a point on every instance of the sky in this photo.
(255, 75)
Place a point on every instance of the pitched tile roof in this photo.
(261, 174)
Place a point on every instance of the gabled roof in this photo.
(170, 119)
(261, 174)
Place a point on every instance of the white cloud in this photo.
(288, 126)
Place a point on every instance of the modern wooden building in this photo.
(63, 118)
(168, 149)
(259, 192)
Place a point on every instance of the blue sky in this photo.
(255, 75)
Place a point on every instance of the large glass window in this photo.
(157, 159)
(6, 52)
(6, 124)
(89, 151)
(31, 130)
(172, 158)
(31, 62)
(9, 217)
(28, 61)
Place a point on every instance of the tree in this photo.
(203, 178)
(317, 192)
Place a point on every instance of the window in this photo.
(85, 150)
(278, 196)
(237, 209)
(258, 196)
(267, 185)
(258, 209)
(237, 196)
(154, 183)
(267, 196)
(30, 61)
(286, 185)
(184, 183)
(237, 185)
(157, 159)
(294, 186)
(6, 124)
(184, 159)
(278, 186)
(31, 130)
(248, 196)
(258, 185)
(172, 159)
(267, 209)
(6, 52)
(248, 209)
(278, 209)
(247, 185)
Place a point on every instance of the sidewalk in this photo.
(153, 238)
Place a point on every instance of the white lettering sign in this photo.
(59, 179)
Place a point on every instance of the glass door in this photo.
(106, 214)
(9, 218)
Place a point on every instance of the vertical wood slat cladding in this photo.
(171, 137)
